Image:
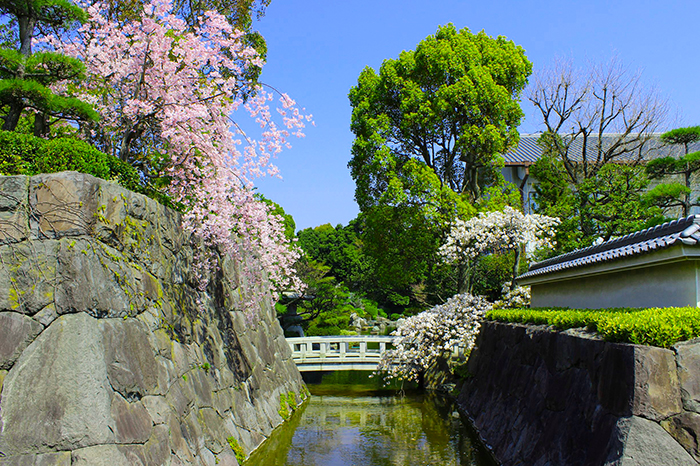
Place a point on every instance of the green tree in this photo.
(26, 77)
(610, 203)
(453, 104)
(594, 119)
(429, 128)
(340, 249)
(673, 194)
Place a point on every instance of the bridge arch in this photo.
(338, 353)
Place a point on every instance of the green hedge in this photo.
(656, 327)
(25, 154)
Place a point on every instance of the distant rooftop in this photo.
(684, 230)
(528, 151)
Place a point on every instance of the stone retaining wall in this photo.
(109, 352)
(543, 397)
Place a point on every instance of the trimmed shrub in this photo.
(25, 154)
(661, 327)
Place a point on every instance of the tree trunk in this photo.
(686, 197)
(463, 282)
(26, 33)
(41, 126)
(516, 267)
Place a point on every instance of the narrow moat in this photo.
(349, 421)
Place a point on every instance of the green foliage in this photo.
(338, 248)
(237, 449)
(330, 322)
(429, 128)
(24, 154)
(490, 273)
(667, 194)
(661, 327)
(683, 136)
(610, 203)
(452, 104)
(671, 194)
(288, 404)
(26, 78)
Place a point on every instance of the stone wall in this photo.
(543, 397)
(109, 353)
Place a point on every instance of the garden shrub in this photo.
(25, 154)
(661, 327)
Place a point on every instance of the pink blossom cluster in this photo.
(421, 339)
(506, 230)
(156, 76)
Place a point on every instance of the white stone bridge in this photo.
(338, 353)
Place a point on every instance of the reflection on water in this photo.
(342, 429)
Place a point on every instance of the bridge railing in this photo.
(336, 350)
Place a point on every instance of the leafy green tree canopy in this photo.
(429, 130)
(452, 104)
(26, 77)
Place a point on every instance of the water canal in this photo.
(350, 422)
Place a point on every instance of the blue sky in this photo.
(317, 49)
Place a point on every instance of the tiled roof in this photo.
(528, 151)
(684, 230)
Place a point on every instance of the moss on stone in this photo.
(237, 449)
(292, 399)
(2, 379)
(284, 410)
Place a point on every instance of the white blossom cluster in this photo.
(509, 230)
(517, 298)
(423, 338)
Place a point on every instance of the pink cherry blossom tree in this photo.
(169, 98)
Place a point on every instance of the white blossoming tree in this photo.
(422, 339)
(509, 230)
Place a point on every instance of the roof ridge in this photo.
(674, 226)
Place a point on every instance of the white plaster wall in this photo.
(672, 284)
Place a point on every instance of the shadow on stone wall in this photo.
(539, 396)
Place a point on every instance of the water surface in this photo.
(355, 427)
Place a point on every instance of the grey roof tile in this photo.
(528, 151)
(685, 230)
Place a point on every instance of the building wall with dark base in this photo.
(542, 397)
(109, 351)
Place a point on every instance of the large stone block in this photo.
(28, 276)
(685, 428)
(97, 279)
(642, 442)
(688, 362)
(132, 368)
(60, 458)
(14, 209)
(657, 393)
(16, 332)
(57, 395)
(63, 204)
(131, 421)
